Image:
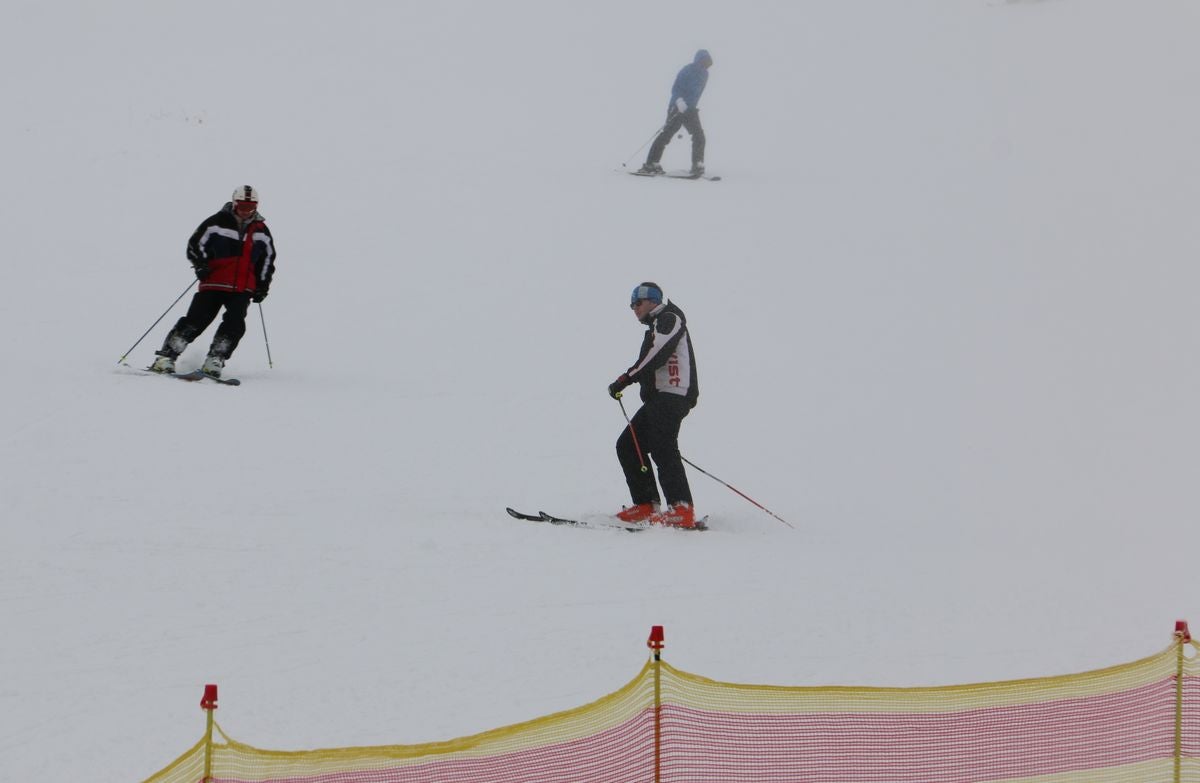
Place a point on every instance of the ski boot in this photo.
(650, 168)
(164, 364)
(678, 515)
(212, 366)
(639, 513)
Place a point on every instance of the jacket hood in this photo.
(702, 57)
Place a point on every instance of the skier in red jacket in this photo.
(233, 256)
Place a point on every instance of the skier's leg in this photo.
(669, 413)
(233, 326)
(691, 121)
(642, 488)
(201, 312)
(674, 123)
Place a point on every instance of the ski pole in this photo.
(164, 315)
(639, 149)
(265, 340)
(735, 489)
(636, 447)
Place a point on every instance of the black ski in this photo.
(542, 516)
(194, 375)
(616, 523)
(675, 175)
(690, 175)
(598, 524)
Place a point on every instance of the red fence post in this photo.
(656, 642)
(1182, 636)
(208, 703)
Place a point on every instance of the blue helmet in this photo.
(650, 291)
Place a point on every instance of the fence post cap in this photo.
(209, 702)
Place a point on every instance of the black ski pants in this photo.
(656, 424)
(689, 119)
(202, 312)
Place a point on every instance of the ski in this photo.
(194, 375)
(690, 175)
(676, 175)
(553, 520)
(701, 525)
(615, 523)
(520, 515)
(601, 523)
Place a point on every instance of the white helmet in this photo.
(244, 193)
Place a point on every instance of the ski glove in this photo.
(201, 269)
(615, 388)
(681, 105)
(258, 295)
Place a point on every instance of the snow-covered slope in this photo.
(943, 302)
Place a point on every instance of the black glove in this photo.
(258, 295)
(615, 388)
(201, 269)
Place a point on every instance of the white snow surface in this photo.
(944, 304)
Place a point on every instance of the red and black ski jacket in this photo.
(666, 363)
(240, 258)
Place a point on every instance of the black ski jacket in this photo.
(666, 363)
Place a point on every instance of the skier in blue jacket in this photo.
(683, 112)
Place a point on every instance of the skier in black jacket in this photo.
(666, 370)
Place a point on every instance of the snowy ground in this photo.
(944, 306)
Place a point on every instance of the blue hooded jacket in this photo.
(692, 78)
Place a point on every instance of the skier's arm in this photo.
(266, 270)
(689, 85)
(668, 330)
(195, 245)
(195, 250)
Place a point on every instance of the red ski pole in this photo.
(735, 489)
(636, 447)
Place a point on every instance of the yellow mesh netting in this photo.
(1137, 722)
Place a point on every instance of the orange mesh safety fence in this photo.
(1134, 723)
